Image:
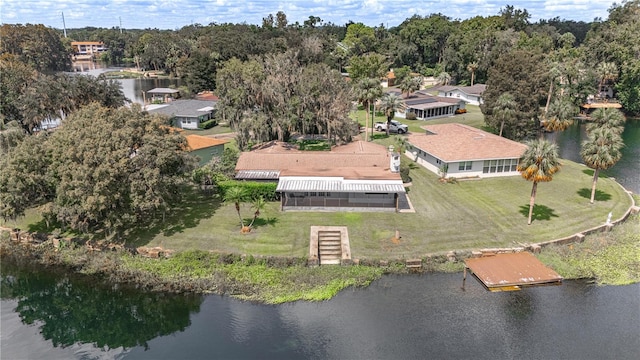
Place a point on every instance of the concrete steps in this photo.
(329, 247)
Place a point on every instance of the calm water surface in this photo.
(398, 317)
(626, 171)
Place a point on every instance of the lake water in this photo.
(133, 89)
(48, 315)
(626, 171)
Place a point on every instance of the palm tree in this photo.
(444, 78)
(257, 205)
(561, 115)
(538, 164)
(607, 118)
(606, 71)
(555, 71)
(367, 91)
(504, 109)
(410, 84)
(391, 103)
(472, 67)
(600, 152)
(236, 195)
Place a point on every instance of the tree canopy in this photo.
(270, 98)
(105, 169)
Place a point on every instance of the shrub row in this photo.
(266, 190)
(208, 124)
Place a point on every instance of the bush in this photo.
(461, 111)
(411, 116)
(266, 190)
(208, 124)
(404, 172)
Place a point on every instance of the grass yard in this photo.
(468, 215)
(473, 118)
(216, 130)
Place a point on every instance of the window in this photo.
(438, 161)
(493, 166)
(465, 165)
(505, 165)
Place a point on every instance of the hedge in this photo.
(208, 124)
(266, 190)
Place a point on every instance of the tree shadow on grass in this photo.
(261, 222)
(601, 175)
(600, 195)
(195, 206)
(540, 212)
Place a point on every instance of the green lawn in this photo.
(473, 118)
(464, 216)
(218, 129)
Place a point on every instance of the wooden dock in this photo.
(511, 271)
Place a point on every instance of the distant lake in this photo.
(132, 88)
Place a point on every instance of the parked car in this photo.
(396, 127)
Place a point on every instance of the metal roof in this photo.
(163, 91)
(258, 174)
(339, 185)
(432, 105)
(184, 108)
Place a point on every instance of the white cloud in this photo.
(170, 14)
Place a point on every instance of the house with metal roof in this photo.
(185, 114)
(426, 106)
(359, 176)
(461, 151)
(469, 94)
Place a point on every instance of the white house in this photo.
(359, 176)
(185, 114)
(469, 94)
(462, 151)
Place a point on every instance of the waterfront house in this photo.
(461, 151)
(185, 114)
(358, 176)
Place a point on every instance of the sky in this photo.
(174, 14)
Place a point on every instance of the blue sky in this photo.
(174, 14)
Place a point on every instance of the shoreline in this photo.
(275, 280)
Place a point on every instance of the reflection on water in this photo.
(77, 310)
(626, 171)
(397, 317)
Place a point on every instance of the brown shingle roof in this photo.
(357, 160)
(457, 142)
(197, 142)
